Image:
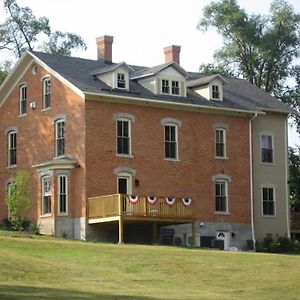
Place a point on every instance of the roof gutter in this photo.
(187, 105)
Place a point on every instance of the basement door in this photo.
(224, 236)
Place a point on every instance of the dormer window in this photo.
(121, 83)
(215, 92)
(165, 87)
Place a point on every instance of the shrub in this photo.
(6, 224)
(35, 229)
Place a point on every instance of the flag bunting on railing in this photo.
(186, 201)
(170, 200)
(152, 199)
(133, 199)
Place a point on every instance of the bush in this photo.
(35, 228)
(6, 224)
(283, 244)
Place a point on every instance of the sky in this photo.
(141, 28)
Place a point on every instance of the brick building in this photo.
(144, 154)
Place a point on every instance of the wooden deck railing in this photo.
(118, 204)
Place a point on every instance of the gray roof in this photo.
(204, 80)
(238, 93)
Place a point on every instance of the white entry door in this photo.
(224, 236)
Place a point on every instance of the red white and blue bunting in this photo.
(186, 201)
(170, 200)
(133, 199)
(152, 199)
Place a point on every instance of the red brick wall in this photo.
(190, 177)
(35, 139)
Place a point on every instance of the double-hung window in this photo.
(175, 87)
(59, 138)
(23, 99)
(46, 93)
(46, 195)
(121, 83)
(62, 182)
(123, 137)
(171, 141)
(170, 87)
(12, 148)
(221, 196)
(268, 201)
(165, 88)
(266, 144)
(215, 92)
(220, 142)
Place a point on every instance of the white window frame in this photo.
(225, 182)
(121, 81)
(11, 147)
(46, 194)
(169, 86)
(171, 141)
(61, 193)
(272, 148)
(46, 92)
(223, 130)
(129, 154)
(23, 99)
(213, 91)
(59, 138)
(128, 177)
(263, 200)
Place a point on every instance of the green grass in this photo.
(34, 267)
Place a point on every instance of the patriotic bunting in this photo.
(133, 199)
(186, 201)
(151, 199)
(170, 200)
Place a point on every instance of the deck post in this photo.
(121, 234)
(154, 233)
(194, 234)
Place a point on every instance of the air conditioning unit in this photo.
(189, 239)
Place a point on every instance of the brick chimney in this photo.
(104, 48)
(172, 54)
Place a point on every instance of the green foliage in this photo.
(4, 70)
(258, 48)
(18, 199)
(294, 176)
(22, 30)
(281, 245)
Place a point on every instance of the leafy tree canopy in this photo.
(294, 180)
(257, 47)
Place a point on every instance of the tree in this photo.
(18, 198)
(4, 70)
(258, 48)
(21, 31)
(294, 180)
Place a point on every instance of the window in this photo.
(268, 201)
(46, 195)
(12, 148)
(62, 188)
(123, 137)
(59, 138)
(215, 92)
(23, 99)
(175, 87)
(221, 195)
(46, 93)
(121, 83)
(171, 141)
(266, 144)
(220, 142)
(165, 86)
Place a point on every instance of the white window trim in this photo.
(125, 80)
(225, 143)
(273, 148)
(129, 136)
(56, 138)
(43, 194)
(262, 200)
(217, 180)
(59, 213)
(44, 79)
(219, 91)
(170, 85)
(9, 133)
(176, 140)
(128, 176)
(21, 86)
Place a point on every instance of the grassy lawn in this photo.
(34, 267)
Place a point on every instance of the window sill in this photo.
(171, 159)
(23, 115)
(59, 157)
(11, 167)
(222, 213)
(269, 216)
(271, 164)
(62, 214)
(221, 157)
(46, 215)
(125, 155)
(46, 109)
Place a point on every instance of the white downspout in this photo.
(251, 182)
